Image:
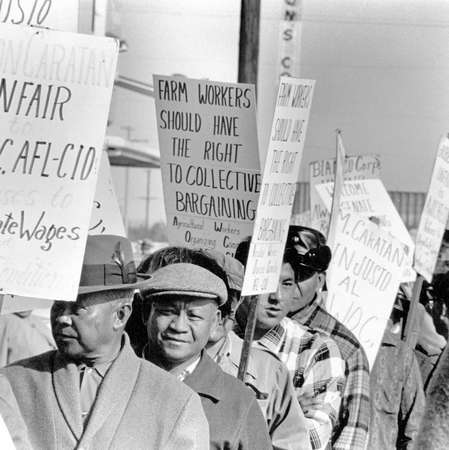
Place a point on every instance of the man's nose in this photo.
(62, 314)
(275, 297)
(64, 319)
(179, 323)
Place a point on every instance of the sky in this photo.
(381, 69)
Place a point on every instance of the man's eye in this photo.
(165, 312)
(195, 316)
(287, 283)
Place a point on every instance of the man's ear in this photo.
(321, 279)
(218, 321)
(122, 312)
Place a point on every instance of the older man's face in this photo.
(84, 329)
(179, 327)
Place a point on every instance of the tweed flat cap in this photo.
(187, 280)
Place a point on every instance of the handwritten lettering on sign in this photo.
(209, 160)
(363, 279)
(357, 167)
(55, 14)
(278, 185)
(434, 216)
(54, 114)
(370, 199)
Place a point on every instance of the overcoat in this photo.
(235, 419)
(138, 406)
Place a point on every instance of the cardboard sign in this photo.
(363, 279)
(280, 176)
(357, 167)
(434, 216)
(57, 14)
(209, 161)
(106, 217)
(12, 303)
(369, 198)
(336, 194)
(54, 113)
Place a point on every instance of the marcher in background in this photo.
(306, 258)
(181, 304)
(312, 358)
(23, 335)
(308, 309)
(94, 392)
(434, 428)
(397, 394)
(429, 344)
(13, 432)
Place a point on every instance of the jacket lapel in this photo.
(66, 386)
(114, 393)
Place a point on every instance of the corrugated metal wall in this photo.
(408, 204)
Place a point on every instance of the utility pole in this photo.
(249, 41)
(248, 65)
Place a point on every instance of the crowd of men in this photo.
(148, 357)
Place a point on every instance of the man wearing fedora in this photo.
(93, 391)
(181, 311)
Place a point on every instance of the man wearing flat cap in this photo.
(93, 392)
(267, 377)
(181, 310)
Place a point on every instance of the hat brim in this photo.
(193, 294)
(111, 287)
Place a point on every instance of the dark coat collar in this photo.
(207, 379)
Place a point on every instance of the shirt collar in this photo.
(189, 369)
(272, 339)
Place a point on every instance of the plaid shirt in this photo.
(318, 373)
(351, 432)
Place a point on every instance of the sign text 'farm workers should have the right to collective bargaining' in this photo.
(209, 160)
(279, 180)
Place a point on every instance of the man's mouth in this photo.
(173, 339)
(272, 312)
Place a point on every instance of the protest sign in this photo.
(302, 219)
(336, 194)
(288, 133)
(52, 127)
(434, 216)
(106, 217)
(13, 303)
(357, 167)
(363, 279)
(370, 199)
(57, 14)
(209, 161)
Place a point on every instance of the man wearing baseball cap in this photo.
(181, 310)
(93, 391)
(309, 258)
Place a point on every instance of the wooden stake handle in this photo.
(249, 334)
